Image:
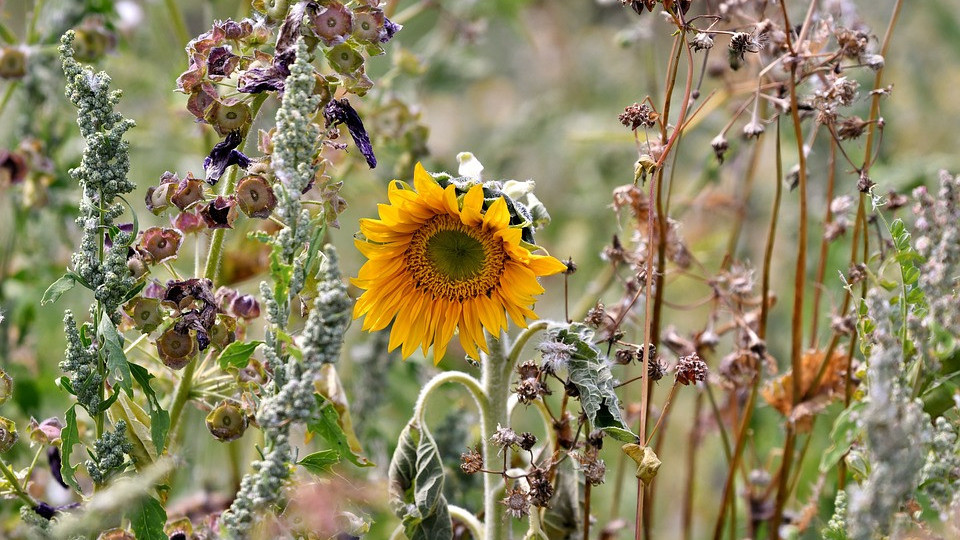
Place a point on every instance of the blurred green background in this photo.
(533, 89)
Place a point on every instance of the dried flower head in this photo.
(541, 489)
(691, 369)
(637, 115)
(504, 437)
(471, 462)
(702, 41)
(720, 146)
(517, 502)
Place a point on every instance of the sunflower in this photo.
(439, 261)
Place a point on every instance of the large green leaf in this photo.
(237, 354)
(416, 486)
(589, 372)
(320, 462)
(844, 433)
(117, 364)
(326, 424)
(58, 287)
(159, 418)
(69, 436)
(147, 523)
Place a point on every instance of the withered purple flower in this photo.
(184, 295)
(272, 77)
(46, 432)
(154, 289)
(13, 168)
(389, 30)
(220, 213)
(55, 461)
(221, 62)
(244, 306)
(223, 155)
(339, 111)
(187, 222)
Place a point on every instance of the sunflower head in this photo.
(448, 255)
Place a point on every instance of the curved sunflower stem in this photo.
(467, 380)
(496, 367)
(522, 340)
(467, 518)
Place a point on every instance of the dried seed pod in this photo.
(6, 386)
(227, 421)
(189, 192)
(255, 196)
(332, 22)
(8, 434)
(13, 63)
(181, 526)
(176, 348)
(228, 118)
(223, 332)
(145, 312)
(160, 244)
(116, 534)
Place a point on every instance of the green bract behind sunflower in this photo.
(448, 254)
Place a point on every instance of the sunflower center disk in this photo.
(454, 261)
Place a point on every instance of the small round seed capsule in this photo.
(228, 118)
(227, 421)
(145, 313)
(161, 244)
(13, 63)
(255, 196)
(176, 349)
(6, 386)
(181, 526)
(223, 332)
(367, 24)
(332, 22)
(116, 534)
(188, 192)
(8, 434)
(344, 59)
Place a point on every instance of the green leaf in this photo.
(938, 399)
(416, 486)
(69, 436)
(147, 523)
(237, 354)
(589, 372)
(843, 435)
(159, 418)
(326, 425)
(562, 519)
(320, 462)
(60, 286)
(117, 364)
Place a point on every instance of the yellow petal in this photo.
(472, 212)
(545, 265)
(497, 216)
